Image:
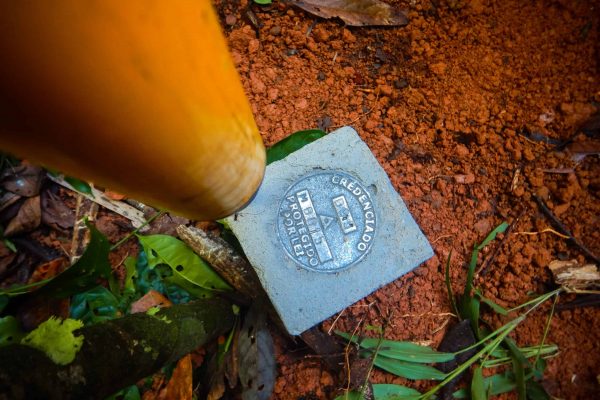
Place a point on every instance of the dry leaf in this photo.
(27, 219)
(49, 269)
(355, 12)
(55, 213)
(149, 300)
(114, 195)
(8, 199)
(180, 384)
(24, 180)
(574, 276)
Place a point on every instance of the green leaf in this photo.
(292, 143)
(10, 331)
(494, 385)
(474, 256)
(497, 308)
(535, 391)
(405, 351)
(95, 305)
(55, 338)
(129, 393)
(407, 369)
(10, 245)
(79, 185)
(394, 392)
(196, 291)
(84, 274)
(263, 2)
(492, 235)
(449, 285)
(478, 391)
(519, 362)
(182, 260)
(469, 309)
(3, 301)
(130, 274)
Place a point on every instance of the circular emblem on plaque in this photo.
(327, 221)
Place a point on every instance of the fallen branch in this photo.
(115, 354)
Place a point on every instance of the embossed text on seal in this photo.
(327, 221)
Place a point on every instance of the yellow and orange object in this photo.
(140, 96)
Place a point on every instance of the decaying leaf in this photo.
(8, 199)
(355, 12)
(257, 356)
(55, 213)
(580, 150)
(27, 219)
(149, 300)
(574, 276)
(180, 384)
(24, 180)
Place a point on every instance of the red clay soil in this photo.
(453, 106)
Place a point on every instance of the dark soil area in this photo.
(464, 108)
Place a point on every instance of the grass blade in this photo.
(405, 351)
(407, 369)
(449, 286)
(496, 307)
(394, 392)
(494, 385)
(478, 391)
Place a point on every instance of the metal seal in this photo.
(327, 221)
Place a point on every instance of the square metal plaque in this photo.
(326, 229)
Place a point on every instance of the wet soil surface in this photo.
(466, 109)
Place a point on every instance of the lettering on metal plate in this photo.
(327, 221)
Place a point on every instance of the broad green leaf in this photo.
(156, 279)
(194, 290)
(10, 245)
(292, 143)
(55, 338)
(353, 395)
(10, 331)
(84, 274)
(496, 307)
(407, 369)
(263, 2)
(182, 260)
(95, 305)
(478, 391)
(394, 392)
(535, 391)
(79, 185)
(384, 392)
(494, 385)
(406, 351)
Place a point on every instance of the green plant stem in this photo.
(449, 287)
(364, 386)
(546, 330)
(501, 332)
(134, 232)
(537, 299)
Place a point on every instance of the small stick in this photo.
(483, 270)
(224, 259)
(564, 230)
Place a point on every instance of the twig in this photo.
(224, 259)
(135, 216)
(483, 270)
(564, 230)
